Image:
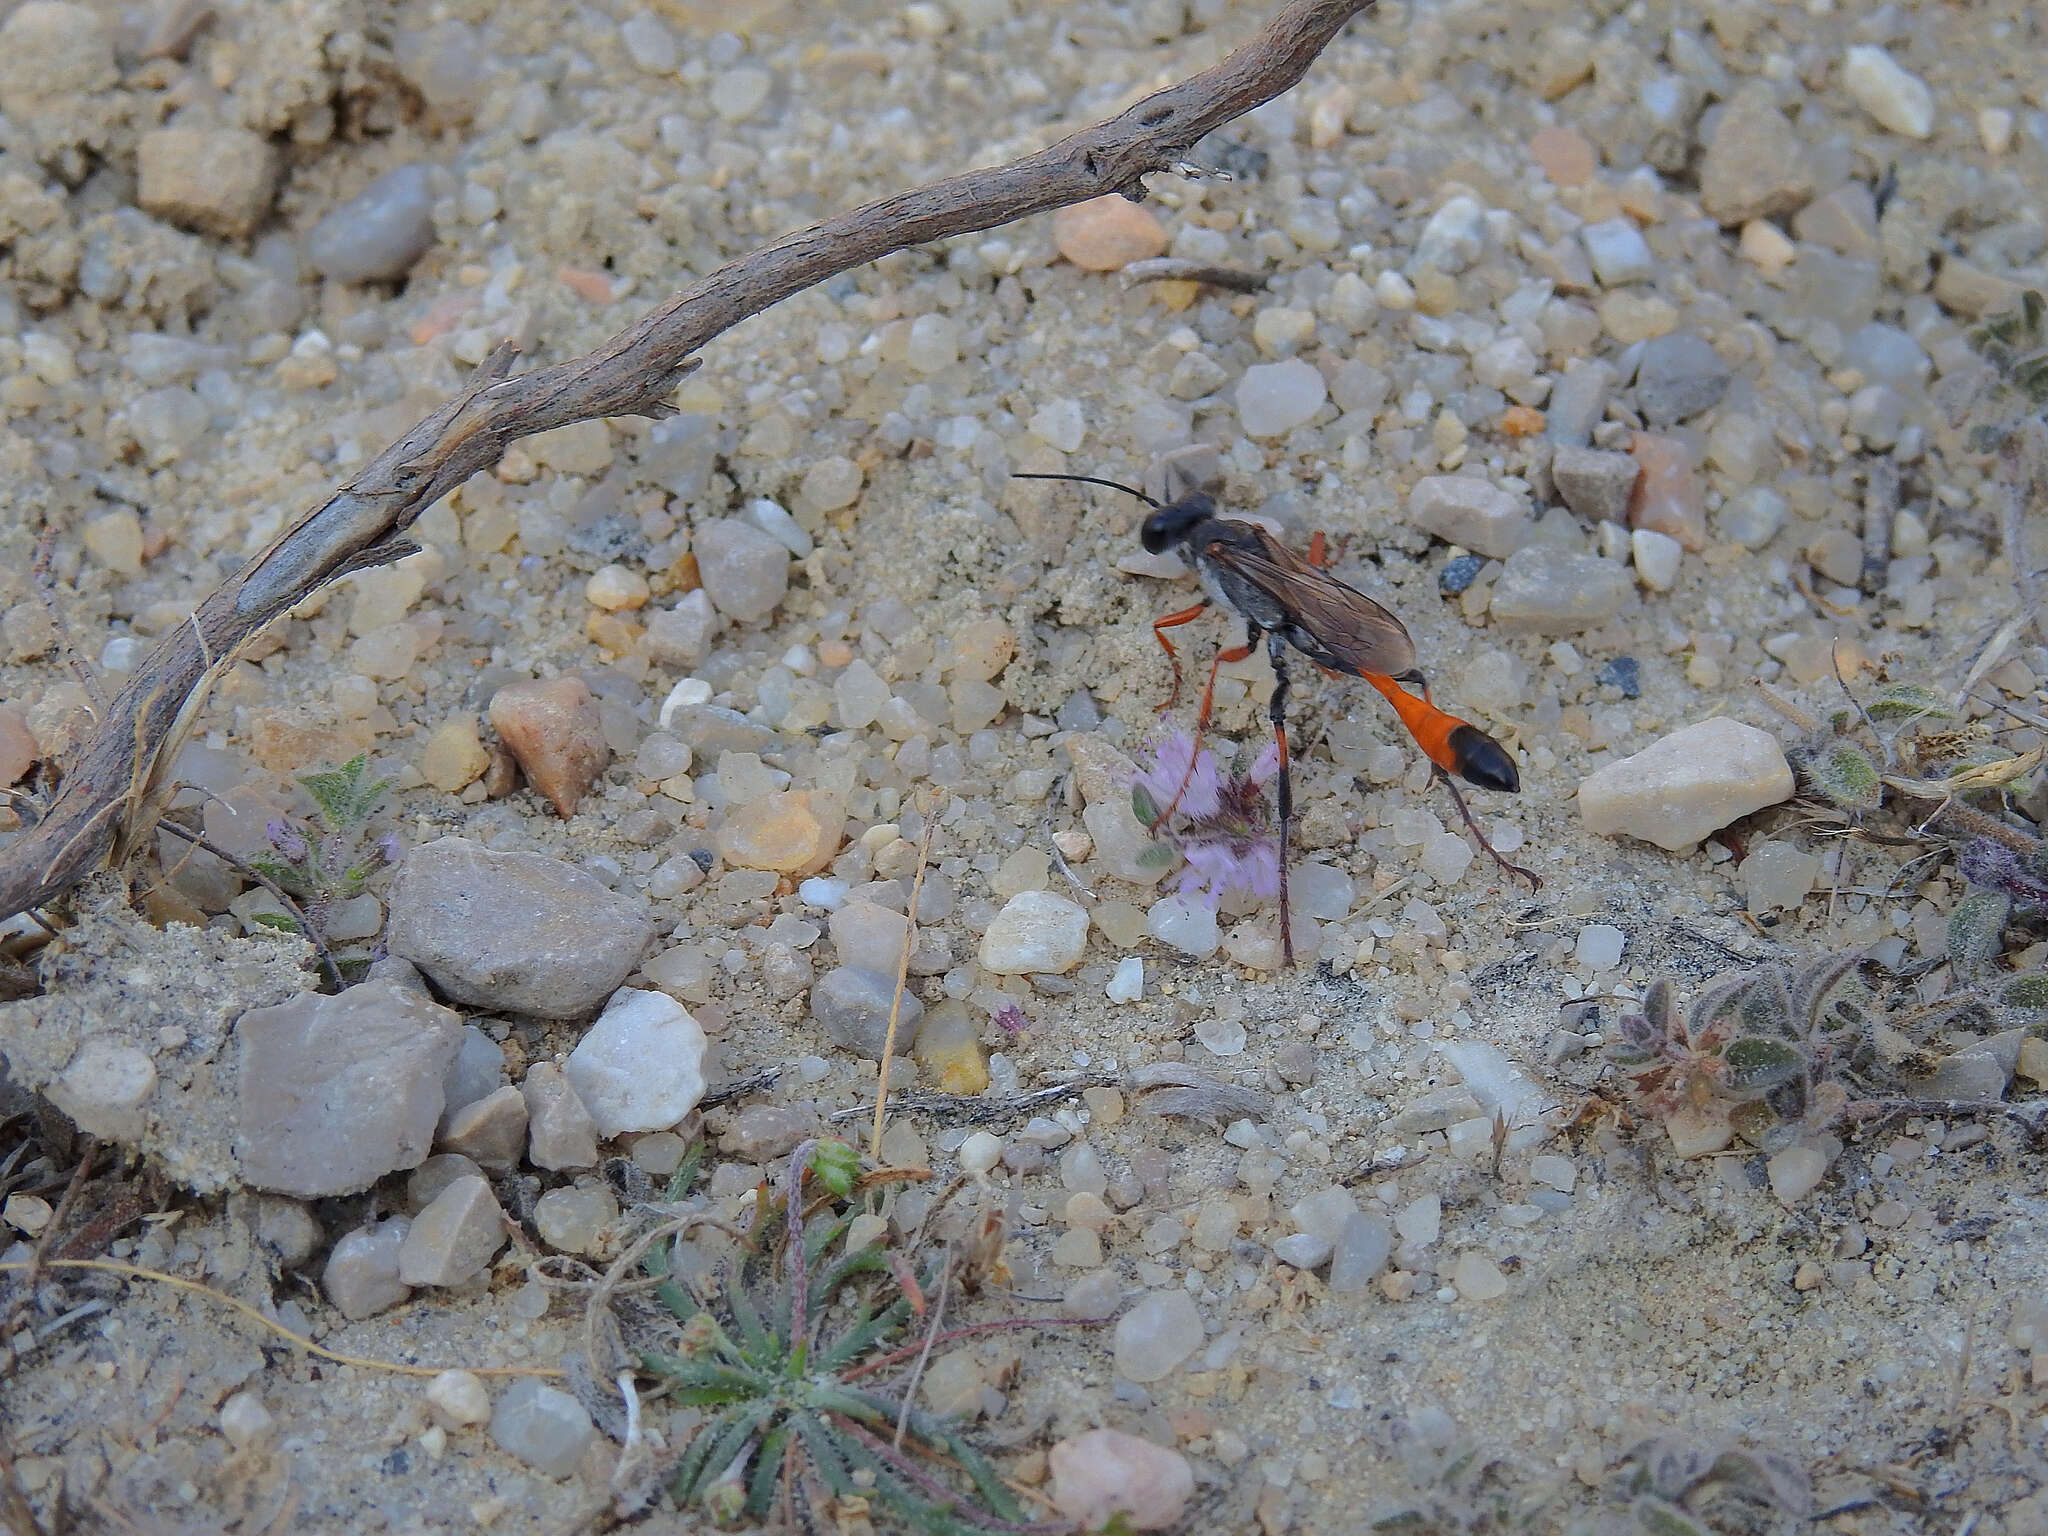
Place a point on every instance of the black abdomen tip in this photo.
(1483, 761)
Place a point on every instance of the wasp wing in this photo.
(1335, 625)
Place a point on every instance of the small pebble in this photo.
(543, 1426)
(1893, 95)
(851, 1005)
(1460, 509)
(1622, 672)
(640, 1067)
(1275, 398)
(1106, 1475)
(1460, 571)
(1688, 784)
(1127, 984)
(1553, 591)
(553, 729)
(737, 93)
(1657, 558)
(1796, 1172)
(1477, 1277)
(1106, 234)
(455, 1238)
(1036, 931)
(745, 572)
(1594, 483)
(1156, 1335)
(361, 1278)
(244, 1421)
(1678, 377)
(1618, 252)
(378, 234)
(545, 938)
(459, 1399)
(979, 1153)
(1599, 947)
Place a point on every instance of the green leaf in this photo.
(1755, 1065)
(1142, 806)
(837, 1166)
(1845, 774)
(1976, 930)
(1158, 856)
(767, 1470)
(1829, 998)
(2024, 989)
(276, 922)
(1658, 1518)
(1909, 701)
(346, 795)
(686, 1172)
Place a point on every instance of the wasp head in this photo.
(1172, 522)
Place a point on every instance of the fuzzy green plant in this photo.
(330, 856)
(1678, 1486)
(1785, 1053)
(1768, 1047)
(785, 1351)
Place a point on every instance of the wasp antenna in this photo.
(1092, 480)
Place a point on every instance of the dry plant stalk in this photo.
(109, 801)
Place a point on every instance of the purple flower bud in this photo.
(1010, 1018)
(288, 841)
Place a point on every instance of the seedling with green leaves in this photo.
(331, 858)
(800, 1434)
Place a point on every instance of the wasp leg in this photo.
(1159, 629)
(1202, 722)
(1472, 826)
(1276, 711)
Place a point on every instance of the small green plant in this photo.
(1456, 1489)
(1766, 1048)
(1676, 1486)
(1784, 1054)
(798, 1432)
(330, 858)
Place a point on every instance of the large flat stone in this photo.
(336, 1092)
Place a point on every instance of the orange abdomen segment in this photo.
(1454, 745)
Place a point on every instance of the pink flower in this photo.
(1221, 824)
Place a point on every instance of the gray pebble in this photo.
(852, 1006)
(379, 233)
(492, 1131)
(1361, 1251)
(1303, 1250)
(1594, 484)
(560, 1131)
(1555, 592)
(1679, 377)
(1578, 401)
(745, 572)
(361, 1277)
(473, 1074)
(543, 1426)
(455, 1238)
(336, 1092)
(517, 931)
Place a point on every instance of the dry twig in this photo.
(111, 798)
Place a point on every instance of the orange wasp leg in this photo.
(1159, 629)
(1202, 724)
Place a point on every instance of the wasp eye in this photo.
(1155, 535)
